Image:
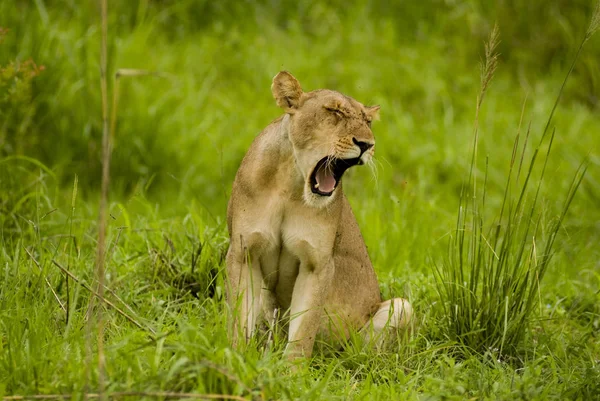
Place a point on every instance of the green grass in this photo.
(490, 281)
(180, 138)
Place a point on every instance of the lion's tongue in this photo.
(325, 180)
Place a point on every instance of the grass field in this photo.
(180, 135)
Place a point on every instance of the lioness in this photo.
(295, 243)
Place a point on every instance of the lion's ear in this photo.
(373, 112)
(286, 91)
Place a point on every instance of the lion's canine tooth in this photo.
(317, 185)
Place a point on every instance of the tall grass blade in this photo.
(489, 285)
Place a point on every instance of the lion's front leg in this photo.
(245, 293)
(308, 299)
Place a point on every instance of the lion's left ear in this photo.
(373, 112)
(286, 91)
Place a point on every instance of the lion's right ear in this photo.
(286, 91)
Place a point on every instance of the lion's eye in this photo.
(369, 123)
(337, 112)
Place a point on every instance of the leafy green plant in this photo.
(16, 107)
(490, 280)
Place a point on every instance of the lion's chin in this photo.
(318, 201)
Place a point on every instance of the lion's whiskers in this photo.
(331, 157)
(373, 167)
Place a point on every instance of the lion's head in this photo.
(330, 132)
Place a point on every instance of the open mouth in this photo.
(328, 173)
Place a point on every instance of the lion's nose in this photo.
(364, 146)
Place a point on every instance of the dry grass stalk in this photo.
(102, 298)
(73, 203)
(118, 298)
(100, 256)
(46, 279)
(108, 132)
(111, 252)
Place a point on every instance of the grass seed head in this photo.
(490, 63)
(594, 22)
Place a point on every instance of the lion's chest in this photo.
(302, 239)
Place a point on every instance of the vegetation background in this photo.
(180, 135)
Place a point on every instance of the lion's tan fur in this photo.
(293, 249)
